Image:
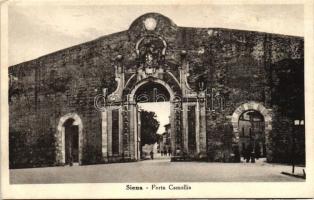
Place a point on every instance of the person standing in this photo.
(249, 152)
(152, 155)
(257, 151)
(244, 152)
(237, 156)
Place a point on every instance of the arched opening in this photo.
(252, 124)
(69, 139)
(71, 132)
(152, 98)
(252, 135)
(152, 92)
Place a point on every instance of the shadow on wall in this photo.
(220, 147)
(25, 151)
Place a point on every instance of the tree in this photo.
(289, 88)
(159, 137)
(149, 127)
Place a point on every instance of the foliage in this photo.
(149, 127)
(288, 91)
(159, 137)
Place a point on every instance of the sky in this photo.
(162, 110)
(38, 29)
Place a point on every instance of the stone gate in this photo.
(151, 68)
(210, 76)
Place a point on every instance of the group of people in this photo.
(250, 153)
(165, 152)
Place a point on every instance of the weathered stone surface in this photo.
(236, 67)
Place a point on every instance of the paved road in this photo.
(158, 170)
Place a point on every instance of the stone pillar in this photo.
(138, 136)
(135, 134)
(132, 118)
(202, 126)
(120, 132)
(185, 127)
(172, 130)
(126, 131)
(197, 127)
(109, 132)
(63, 144)
(104, 135)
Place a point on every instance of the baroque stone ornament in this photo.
(150, 56)
(150, 24)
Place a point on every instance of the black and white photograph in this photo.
(154, 98)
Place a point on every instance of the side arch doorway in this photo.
(252, 126)
(252, 135)
(69, 140)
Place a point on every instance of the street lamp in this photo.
(297, 123)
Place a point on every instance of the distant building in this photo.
(164, 143)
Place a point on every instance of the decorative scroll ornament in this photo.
(184, 74)
(119, 78)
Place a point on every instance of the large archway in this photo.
(150, 83)
(156, 90)
(69, 139)
(152, 99)
(256, 109)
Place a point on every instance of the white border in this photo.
(117, 190)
